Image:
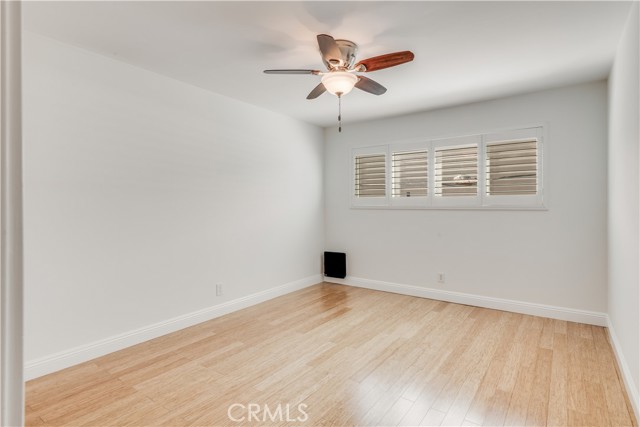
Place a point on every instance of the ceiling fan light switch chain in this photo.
(339, 111)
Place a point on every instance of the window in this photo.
(457, 171)
(501, 170)
(370, 176)
(410, 173)
(409, 165)
(512, 168)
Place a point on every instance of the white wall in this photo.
(142, 192)
(555, 257)
(624, 194)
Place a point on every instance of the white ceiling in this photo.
(465, 51)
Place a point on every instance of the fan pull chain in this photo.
(339, 112)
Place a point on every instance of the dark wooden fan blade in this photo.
(371, 86)
(317, 91)
(291, 71)
(329, 49)
(384, 61)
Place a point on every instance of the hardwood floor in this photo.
(353, 357)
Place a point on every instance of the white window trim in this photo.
(481, 201)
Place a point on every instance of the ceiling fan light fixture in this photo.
(339, 82)
(339, 57)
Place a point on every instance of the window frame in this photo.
(481, 201)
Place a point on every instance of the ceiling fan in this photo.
(339, 56)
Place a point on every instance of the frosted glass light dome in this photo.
(339, 82)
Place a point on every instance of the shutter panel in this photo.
(512, 168)
(409, 173)
(456, 171)
(370, 179)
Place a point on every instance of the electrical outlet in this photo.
(440, 277)
(219, 289)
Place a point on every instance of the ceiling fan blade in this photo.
(317, 91)
(291, 71)
(371, 86)
(329, 49)
(384, 61)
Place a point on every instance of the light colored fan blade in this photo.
(317, 91)
(329, 49)
(384, 61)
(371, 86)
(291, 71)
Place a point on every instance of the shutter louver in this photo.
(370, 179)
(456, 171)
(410, 173)
(512, 168)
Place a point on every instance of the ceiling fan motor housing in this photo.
(348, 50)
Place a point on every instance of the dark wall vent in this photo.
(335, 264)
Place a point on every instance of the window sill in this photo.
(455, 208)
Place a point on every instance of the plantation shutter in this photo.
(512, 168)
(456, 171)
(409, 171)
(370, 175)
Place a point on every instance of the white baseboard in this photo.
(632, 389)
(553, 312)
(64, 359)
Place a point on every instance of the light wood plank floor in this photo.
(353, 357)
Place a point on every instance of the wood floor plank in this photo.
(516, 352)
(560, 326)
(526, 372)
(557, 410)
(539, 400)
(484, 346)
(396, 413)
(577, 401)
(498, 408)
(546, 338)
(489, 386)
(415, 414)
(353, 356)
(78, 405)
(62, 384)
(433, 418)
(31, 417)
(616, 400)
